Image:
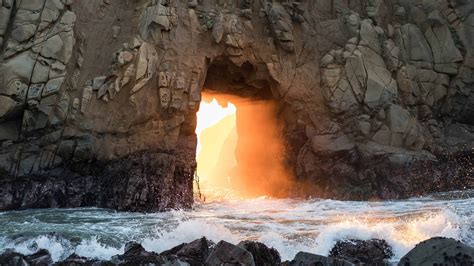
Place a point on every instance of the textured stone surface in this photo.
(262, 255)
(225, 253)
(304, 258)
(439, 251)
(370, 93)
(194, 253)
(372, 252)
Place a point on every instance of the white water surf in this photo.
(288, 225)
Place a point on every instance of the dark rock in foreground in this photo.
(194, 253)
(435, 251)
(262, 254)
(76, 260)
(304, 258)
(439, 251)
(10, 258)
(373, 251)
(225, 253)
(135, 254)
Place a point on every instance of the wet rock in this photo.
(374, 251)
(12, 258)
(225, 253)
(262, 254)
(304, 258)
(76, 260)
(41, 257)
(439, 251)
(135, 254)
(194, 253)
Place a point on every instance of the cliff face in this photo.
(98, 98)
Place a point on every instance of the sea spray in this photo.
(289, 225)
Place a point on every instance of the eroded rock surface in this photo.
(371, 252)
(98, 98)
(439, 251)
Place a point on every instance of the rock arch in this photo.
(365, 102)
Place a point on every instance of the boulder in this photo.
(439, 251)
(10, 257)
(304, 259)
(373, 251)
(41, 257)
(194, 253)
(76, 260)
(262, 254)
(135, 254)
(225, 253)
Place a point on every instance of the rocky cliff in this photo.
(98, 98)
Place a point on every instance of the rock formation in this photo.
(98, 98)
(370, 252)
(434, 251)
(439, 250)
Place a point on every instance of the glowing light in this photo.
(209, 115)
(239, 157)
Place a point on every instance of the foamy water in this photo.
(288, 225)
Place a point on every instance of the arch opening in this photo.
(241, 148)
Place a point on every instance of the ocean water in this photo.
(289, 225)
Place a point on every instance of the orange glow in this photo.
(240, 152)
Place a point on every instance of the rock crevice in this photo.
(372, 93)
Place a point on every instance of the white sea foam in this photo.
(92, 248)
(289, 226)
(188, 231)
(57, 247)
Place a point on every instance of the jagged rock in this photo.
(40, 73)
(53, 86)
(226, 253)
(41, 257)
(98, 82)
(392, 55)
(369, 37)
(7, 105)
(262, 254)
(76, 260)
(405, 128)
(155, 16)
(331, 68)
(446, 55)
(52, 47)
(194, 253)
(328, 144)
(13, 258)
(86, 98)
(218, 29)
(416, 48)
(304, 258)
(373, 251)
(281, 25)
(439, 251)
(381, 88)
(135, 254)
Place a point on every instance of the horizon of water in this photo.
(289, 225)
